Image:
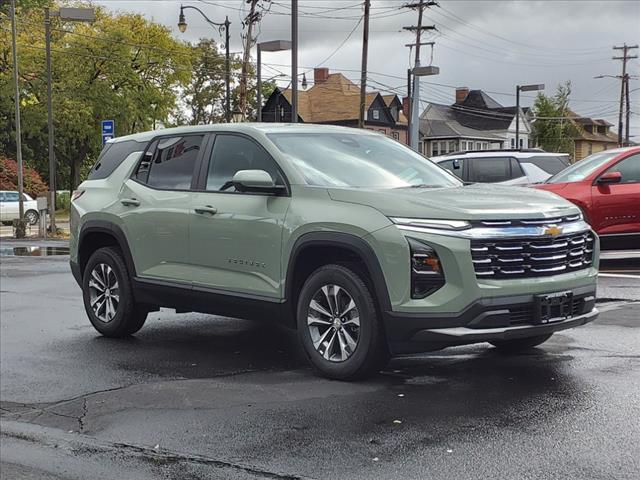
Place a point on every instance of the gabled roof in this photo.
(479, 99)
(444, 121)
(336, 99)
(608, 137)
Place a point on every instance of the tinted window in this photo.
(489, 169)
(516, 169)
(629, 168)
(449, 165)
(232, 153)
(170, 162)
(549, 163)
(112, 156)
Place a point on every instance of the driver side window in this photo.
(629, 168)
(232, 153)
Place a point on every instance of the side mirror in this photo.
(610, 177)
(254, 181)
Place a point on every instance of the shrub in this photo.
(33, 183)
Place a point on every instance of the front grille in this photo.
(532, 257)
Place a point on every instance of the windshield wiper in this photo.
(420, 185)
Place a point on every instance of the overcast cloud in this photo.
(492, 45)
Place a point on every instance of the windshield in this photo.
(357, 160)
(583, 168)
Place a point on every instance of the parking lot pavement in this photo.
(197, 396)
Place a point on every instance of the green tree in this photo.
(121, 67)
(553, 129)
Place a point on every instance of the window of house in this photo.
(232, 153)
(453, 146)
(521, 143)
(513, 143)
(589, 148)
(435, 150)
(463, 145)
(478, 145)
(396, 136)
(169, 162)
(376, 114)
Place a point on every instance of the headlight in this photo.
(432, 223)
(427, 275)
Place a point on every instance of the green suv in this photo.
(363, 246)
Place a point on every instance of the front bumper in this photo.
(488, 319)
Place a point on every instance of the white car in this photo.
(9, 209)
(510, 167)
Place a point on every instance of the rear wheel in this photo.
(519, 344)
(339, 325)
(108, 295)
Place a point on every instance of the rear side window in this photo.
(551, 164)
(169, 162)
(11, 197)
(489, 169)
(112, 156)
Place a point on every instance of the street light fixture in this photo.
(70, 14)
(237, 115)
(182, 26)
(271, 46)
(523, 88)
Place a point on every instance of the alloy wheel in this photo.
(104, 294)
(334, 323)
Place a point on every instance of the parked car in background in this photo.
(510, 167)
(9, 207)
(606, 187)
(344, 234)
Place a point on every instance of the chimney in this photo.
(461, 94)
(320, 75)
(406, 103)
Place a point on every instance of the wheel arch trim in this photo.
(112, 230)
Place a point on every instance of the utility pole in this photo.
(414, 132)
(628, 113)
(624, 88)
(52, 160)
(249, 21)
(363, 70)
(294, 61)
(14, 35)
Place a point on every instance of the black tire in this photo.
(129, 317)
(520, 344)
(32, 217)
(370, 353)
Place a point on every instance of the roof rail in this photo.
(521, 150)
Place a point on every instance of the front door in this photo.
(236, 238)
(154, 207)
(616, 206)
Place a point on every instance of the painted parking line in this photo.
(619, 275)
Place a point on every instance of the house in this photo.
(334, 99)
(475, 121)
(594, 136)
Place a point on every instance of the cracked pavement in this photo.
(196, 396)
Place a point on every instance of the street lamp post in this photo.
(271, 46)
(73, 15)
(523, 88)
(182, 26)
(414, 125)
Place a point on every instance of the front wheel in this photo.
(339, 325)
(519, 344)
(108, 295)
(31, 217)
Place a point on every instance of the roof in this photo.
(334, 100)
(503, 153)
(446, 122)
(479, 99)
(248, 127)
(608, 137)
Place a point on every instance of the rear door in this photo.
(236, 238)
(9, 207)
(616, 206)
(154, 207)
(495, 170)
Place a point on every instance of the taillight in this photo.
(427, 274)
(76, 194)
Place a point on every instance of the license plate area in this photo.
(553, 307)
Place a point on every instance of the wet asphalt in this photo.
(197, 396)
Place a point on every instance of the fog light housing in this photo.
(427, 275)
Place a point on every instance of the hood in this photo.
(471, 202)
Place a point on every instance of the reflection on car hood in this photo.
(472, 202)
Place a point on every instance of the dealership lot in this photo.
(193, 396)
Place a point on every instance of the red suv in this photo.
(606, 186)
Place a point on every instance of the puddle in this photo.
(33, 251)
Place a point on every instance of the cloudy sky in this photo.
(491, 45)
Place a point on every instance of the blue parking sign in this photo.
(108, 130)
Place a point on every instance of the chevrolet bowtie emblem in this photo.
(552, 230)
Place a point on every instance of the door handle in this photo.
(130, 202)
(206, 209)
